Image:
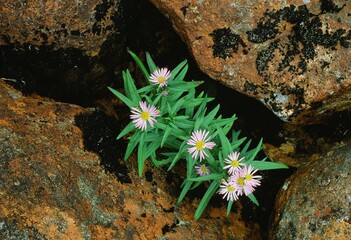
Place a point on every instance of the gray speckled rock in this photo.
(315, 203)
(293, 56)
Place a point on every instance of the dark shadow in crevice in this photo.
(99, 136)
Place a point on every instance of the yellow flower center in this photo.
(248, 177)
(200, 145)
(145, 115)
(240, 181)
(161, 79)
(230, 188)
(235, 163)
(203, 169)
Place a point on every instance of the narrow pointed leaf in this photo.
(124, 99)
(140, 65)
(206, 198)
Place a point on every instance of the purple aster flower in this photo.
(146, 114)
(238, 181)
(200, 142)
(250, 180)
(160, 77)
(234, 163)
(228, 190)
(202, 170)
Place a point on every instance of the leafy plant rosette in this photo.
(168, 115)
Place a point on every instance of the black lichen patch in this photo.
(307, 33)
(184, 9)
(330, 6)
(99, 136)
(101, 11)
(266, 29)
(250, 87)
(168, 210)
(166, 228)
(148, 176)
(225, 43)
(265, 56)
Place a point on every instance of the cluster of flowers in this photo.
(241, 176)
(167, 114)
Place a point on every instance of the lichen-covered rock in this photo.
(51, 187)
(68, 45)
(293, 56)
(315, 203)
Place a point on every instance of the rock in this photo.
(52, 187)
(315, 203)
(293, 57)
(62, 47)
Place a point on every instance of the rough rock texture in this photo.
(69, 44)
(293, 56)
(51, 187)
(315, 203)
(64, 24)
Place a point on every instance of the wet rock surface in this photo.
(291, 56)
(315, 203)
(52, 187)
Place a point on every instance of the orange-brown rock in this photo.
(293, 56)
(60, 47)
(315, 202)
(52, 187)
(66, 24)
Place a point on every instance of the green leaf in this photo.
(150, 63)
(130, 88)
(147, 89)
(130, 127)
(207, 177)
(124, 99)
(206, 198)
(184, 124)
(165, 135)
(257, 149)
(181, 75)
(151, 149)
(263, 165)
(177, 106)
(140, 65)
(195, 185)
(200, 111)
(244, 150)
(210, 116)
(237, 143)
(182, 149)
(133, 141)
(154, 160)
(253, 199)
(229, 207)
(186, 186)
(176, 70)
(226, 146)
(141, 154)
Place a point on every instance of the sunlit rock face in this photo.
(315, 202)
(293, 56)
